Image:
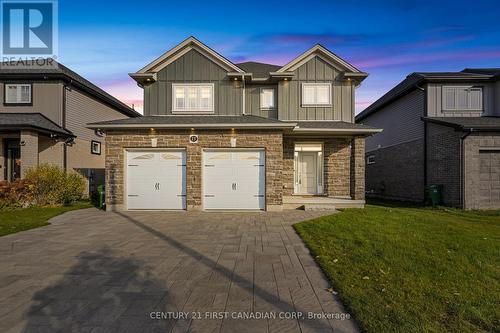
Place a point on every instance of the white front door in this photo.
(234, 179)
(308, 172)
(156, 179)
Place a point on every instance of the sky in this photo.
(106, 40)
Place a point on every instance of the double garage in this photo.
(232, 179)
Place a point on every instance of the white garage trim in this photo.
(161, 182)
(231, 181)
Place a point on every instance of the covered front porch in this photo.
(323, 171)
(27, 140)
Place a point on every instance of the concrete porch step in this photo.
(319, 206)
(320, 203)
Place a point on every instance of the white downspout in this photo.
(243, 94)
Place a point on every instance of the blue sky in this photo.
(104, 41)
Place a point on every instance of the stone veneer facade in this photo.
(343, 168)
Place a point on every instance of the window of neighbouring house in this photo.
(370, 159)
(316, 94)
(267, 98)
(17, 93)
(197, 98)
(462, 98)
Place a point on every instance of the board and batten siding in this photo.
(193, 67)
(47, 100)
(435, 102)
(316, 70)
(400, 121)
(252, 101)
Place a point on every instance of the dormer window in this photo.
(316, 94)
(17, 94)
(193, 98)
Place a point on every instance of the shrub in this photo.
(16, 194)
(53, 186)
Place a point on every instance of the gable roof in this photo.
(61, 72)
(323, 52)
(185, 46)
(35, 121)
(246, 70)
(413, 81)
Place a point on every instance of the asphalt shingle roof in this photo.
(478, 123)
(187, 120)
(258, 69)
(35, 121)
(61, 70)
(331, 125)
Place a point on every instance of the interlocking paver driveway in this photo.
(91, 271)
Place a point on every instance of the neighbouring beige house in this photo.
(440, 128)
(217, 135)
(43, 117)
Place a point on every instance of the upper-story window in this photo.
(193, 98)
(267, 98)
(17, 94)
(316, 94)
(462, 98)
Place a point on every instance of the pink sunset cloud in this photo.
(384, 61)
(126, 91)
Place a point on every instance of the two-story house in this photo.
(43, 117)
(439, 129)
(249, 136)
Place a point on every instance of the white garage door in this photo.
(234, 179)
(156, 179)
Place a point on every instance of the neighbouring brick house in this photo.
(219, 135)
(439, 129)
(43, 117)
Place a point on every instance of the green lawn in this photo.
(15, 220)
(412, 269)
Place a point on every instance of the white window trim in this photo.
(305, 84)
(318, 148)
(274, 98)
(18, 85)
(175, 110)
(370, 159)
(481, 108)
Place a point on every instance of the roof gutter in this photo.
(337, 130)
(184, 126)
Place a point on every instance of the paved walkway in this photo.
(91, 271)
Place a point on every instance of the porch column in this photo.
(29, 150)
(358, 168)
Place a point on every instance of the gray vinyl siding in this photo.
(400, 121)
(435, 103)
(193, 67)
(47, 100)
(496, 99)
(252, 101)
(316, 70)
(82, 109)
